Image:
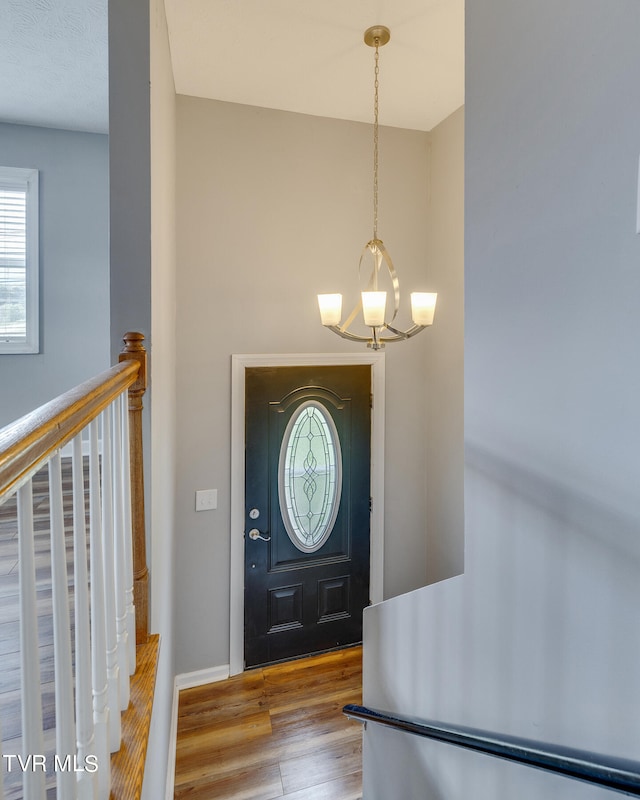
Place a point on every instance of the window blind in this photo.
(13, 262)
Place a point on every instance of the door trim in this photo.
(239, 363)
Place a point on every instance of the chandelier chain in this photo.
(375, 142)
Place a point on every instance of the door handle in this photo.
(254, 534)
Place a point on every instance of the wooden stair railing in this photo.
(110, 603)
(134, 351)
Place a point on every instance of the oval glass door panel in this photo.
(310, 476)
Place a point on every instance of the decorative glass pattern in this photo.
(310, 476)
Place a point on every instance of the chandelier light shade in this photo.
(373, 302)
(423, 307)
(330, 308)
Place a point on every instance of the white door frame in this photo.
(239, 363)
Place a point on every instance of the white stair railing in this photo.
(65, 720)
(92, 664)
(32, 739)
(120, 545)
(86, 741)
(1, 759)
(128, 555)
(100, 687)
(113, 673)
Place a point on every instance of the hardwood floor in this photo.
(275, 732)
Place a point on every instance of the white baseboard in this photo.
(173, 739)
(186, 680)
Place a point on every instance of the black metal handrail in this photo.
(617, 774)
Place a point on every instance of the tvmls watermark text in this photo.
(35, 762)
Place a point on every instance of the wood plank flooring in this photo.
(275, 732)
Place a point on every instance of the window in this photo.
(310, 476)
(19, 262)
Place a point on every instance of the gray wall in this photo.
(444, 440)
(142, 164)
(538, 638)
(551, 324)
(130, 196)
(129, 167)
(274, 207)
(74, 264)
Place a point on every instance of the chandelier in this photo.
(373, 301)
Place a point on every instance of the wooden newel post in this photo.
(134, 351)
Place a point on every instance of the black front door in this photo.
(307, 484)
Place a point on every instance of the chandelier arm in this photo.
(376, 340)
(373, 283)
(347, 323)
(372, 246)
(393, 275)
(400, 335)
(353, 337)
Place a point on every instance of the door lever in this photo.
(254, 534)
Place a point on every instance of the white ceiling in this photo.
(53, 63)
(292, 55)
(309, 57)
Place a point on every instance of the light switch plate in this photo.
(206, 499)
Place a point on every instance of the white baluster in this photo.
(98, 622)
(32, 741)
(119, 557)
(65, 722)
(87, 781)
(128, 550)
(1, 770)
(113, 676)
